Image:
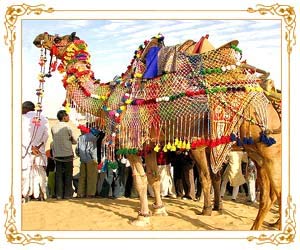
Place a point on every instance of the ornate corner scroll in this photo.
(289, 232)
(11, 231)
(289, 16)
(11, 17)
(15, 237)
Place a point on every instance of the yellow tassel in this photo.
(165, 149)
(176, 142)
(188, 146)
(169, 146)
(173, 148)
(179, 144)
(157, 148)
(68, 108)
(183, 145)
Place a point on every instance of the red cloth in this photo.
(162, 158)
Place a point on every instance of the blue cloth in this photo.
(152, 63)
(86, 147)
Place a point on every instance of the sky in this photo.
(111, 44)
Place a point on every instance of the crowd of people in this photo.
(49, 173)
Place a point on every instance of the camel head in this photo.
(51, 42)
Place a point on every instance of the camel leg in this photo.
(140, 181)
(273, 197)
(273, 168)
(199, 156)
(216, 182)
(269, 173)
(265, 201)
(154, 181)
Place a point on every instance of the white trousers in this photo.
(25, 181)
(167, 186)
(235, 190)
(34, 181)
(252, 191)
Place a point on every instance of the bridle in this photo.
(57, 43)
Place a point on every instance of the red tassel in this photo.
(194, 145)
(53, 66)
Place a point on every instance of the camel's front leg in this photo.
(140, 181)
(199, 156)
(216, 182)
(154, 181)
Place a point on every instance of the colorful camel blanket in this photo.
(198, 101)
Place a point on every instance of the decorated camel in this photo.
(189, 97)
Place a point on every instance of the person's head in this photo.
(27, 106)
(63, 116)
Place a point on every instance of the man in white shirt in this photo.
(34, 159)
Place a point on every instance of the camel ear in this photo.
(72, 36)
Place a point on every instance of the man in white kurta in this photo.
(233, 172)
(34, 159)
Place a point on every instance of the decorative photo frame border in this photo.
(15, 12)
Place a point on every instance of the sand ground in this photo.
(116, 214)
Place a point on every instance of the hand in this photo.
(35, 150)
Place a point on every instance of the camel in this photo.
(207, 103)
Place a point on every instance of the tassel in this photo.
(232, 137)
(156, 148)
(245, 140)
(239, 142)
(250, 140)
(179, 144)
(271, 141)
(173, 147)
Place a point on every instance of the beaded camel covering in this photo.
(197, 100)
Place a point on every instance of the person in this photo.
(167, 187)
(233, 172)
(184, 175)
(50, 171)
(251, 176)
(177, 173)
(188, 177)
(86, 149)
(63, 155)
(198, 185)
(34, 159)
